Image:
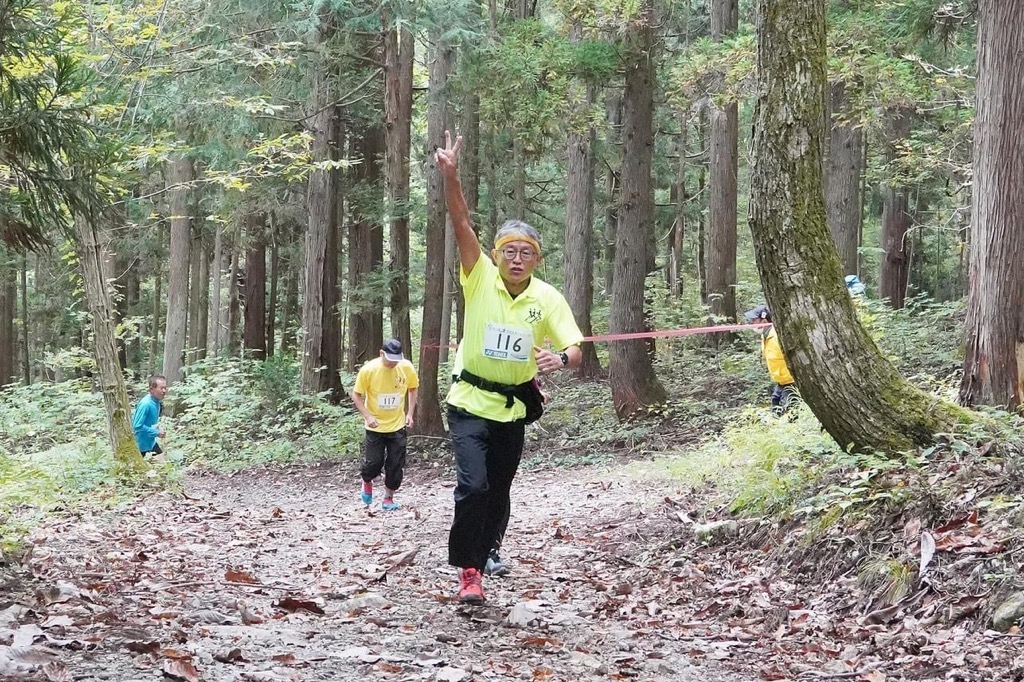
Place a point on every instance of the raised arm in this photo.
(447, 160)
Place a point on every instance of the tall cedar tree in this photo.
(428, 408)
(634, 384)
(722, 185)
(994, 362)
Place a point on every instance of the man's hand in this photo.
(409, 421)
(447, 159)
(547, 361)
(160, 433)
(372, 423)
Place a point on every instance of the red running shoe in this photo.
(472, 589)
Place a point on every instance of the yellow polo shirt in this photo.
(500, 333)
(773, 357)
(384, 390)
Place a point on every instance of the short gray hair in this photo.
(510, 227)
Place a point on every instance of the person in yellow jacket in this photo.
(771, 349)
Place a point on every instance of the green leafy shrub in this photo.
(231, 413)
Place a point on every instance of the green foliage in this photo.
(232, 413)
(522, 82)
(760, 464)
(48, 152)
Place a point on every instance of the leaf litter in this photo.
(282, 575)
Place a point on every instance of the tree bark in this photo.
(25, 347)
(321, 204)
(680, 197)
(634, 384)
(856, 394)
(8, 297)
(234, 301)
(366, 255)
(179, 178)
(428, 408)
(154, 338)
(844, 165)
(198, 301)
(724, 164)
(217, 299)
(613, 114)
(578, 251)
(255, 324)
(896, 219)
(994, 360)
(90, 245)
(398, 69)
(270, 333)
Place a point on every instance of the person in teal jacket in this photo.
(147, 414)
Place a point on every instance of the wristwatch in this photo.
(565, 358)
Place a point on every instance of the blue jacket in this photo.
(147, 413)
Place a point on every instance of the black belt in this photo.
(507, 390)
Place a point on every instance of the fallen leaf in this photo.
(872, 676)
(449, 674)
(427, 659)
(57, 622)
(143, 647)
(180, 669)
(403, 559)
(229, 656)
(290, 604)
(56, 672)
(927, 552)
(26, 635)
(233, 575)
(21, 660)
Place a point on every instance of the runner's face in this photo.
(518, 268)
(387, 363)
(160, 390)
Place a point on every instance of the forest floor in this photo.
(282, 574)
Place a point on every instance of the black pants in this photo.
(157, 450)
(487, 455)
(384, 451)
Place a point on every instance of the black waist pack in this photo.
(528, 393)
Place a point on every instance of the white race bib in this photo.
(389, 401)
(507, 343)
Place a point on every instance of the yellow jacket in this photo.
(771, 349)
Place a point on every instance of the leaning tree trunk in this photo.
(90, 245)
(179, 179)
(994, 361)
(843, 168)
(860, 399)
(578, 252)
(634, 384)
(723, 185)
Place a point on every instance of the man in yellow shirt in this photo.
(385, 394)
(771, 350)
(509, 313)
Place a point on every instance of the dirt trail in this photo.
(284, 575)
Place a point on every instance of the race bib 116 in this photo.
(507, 343)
